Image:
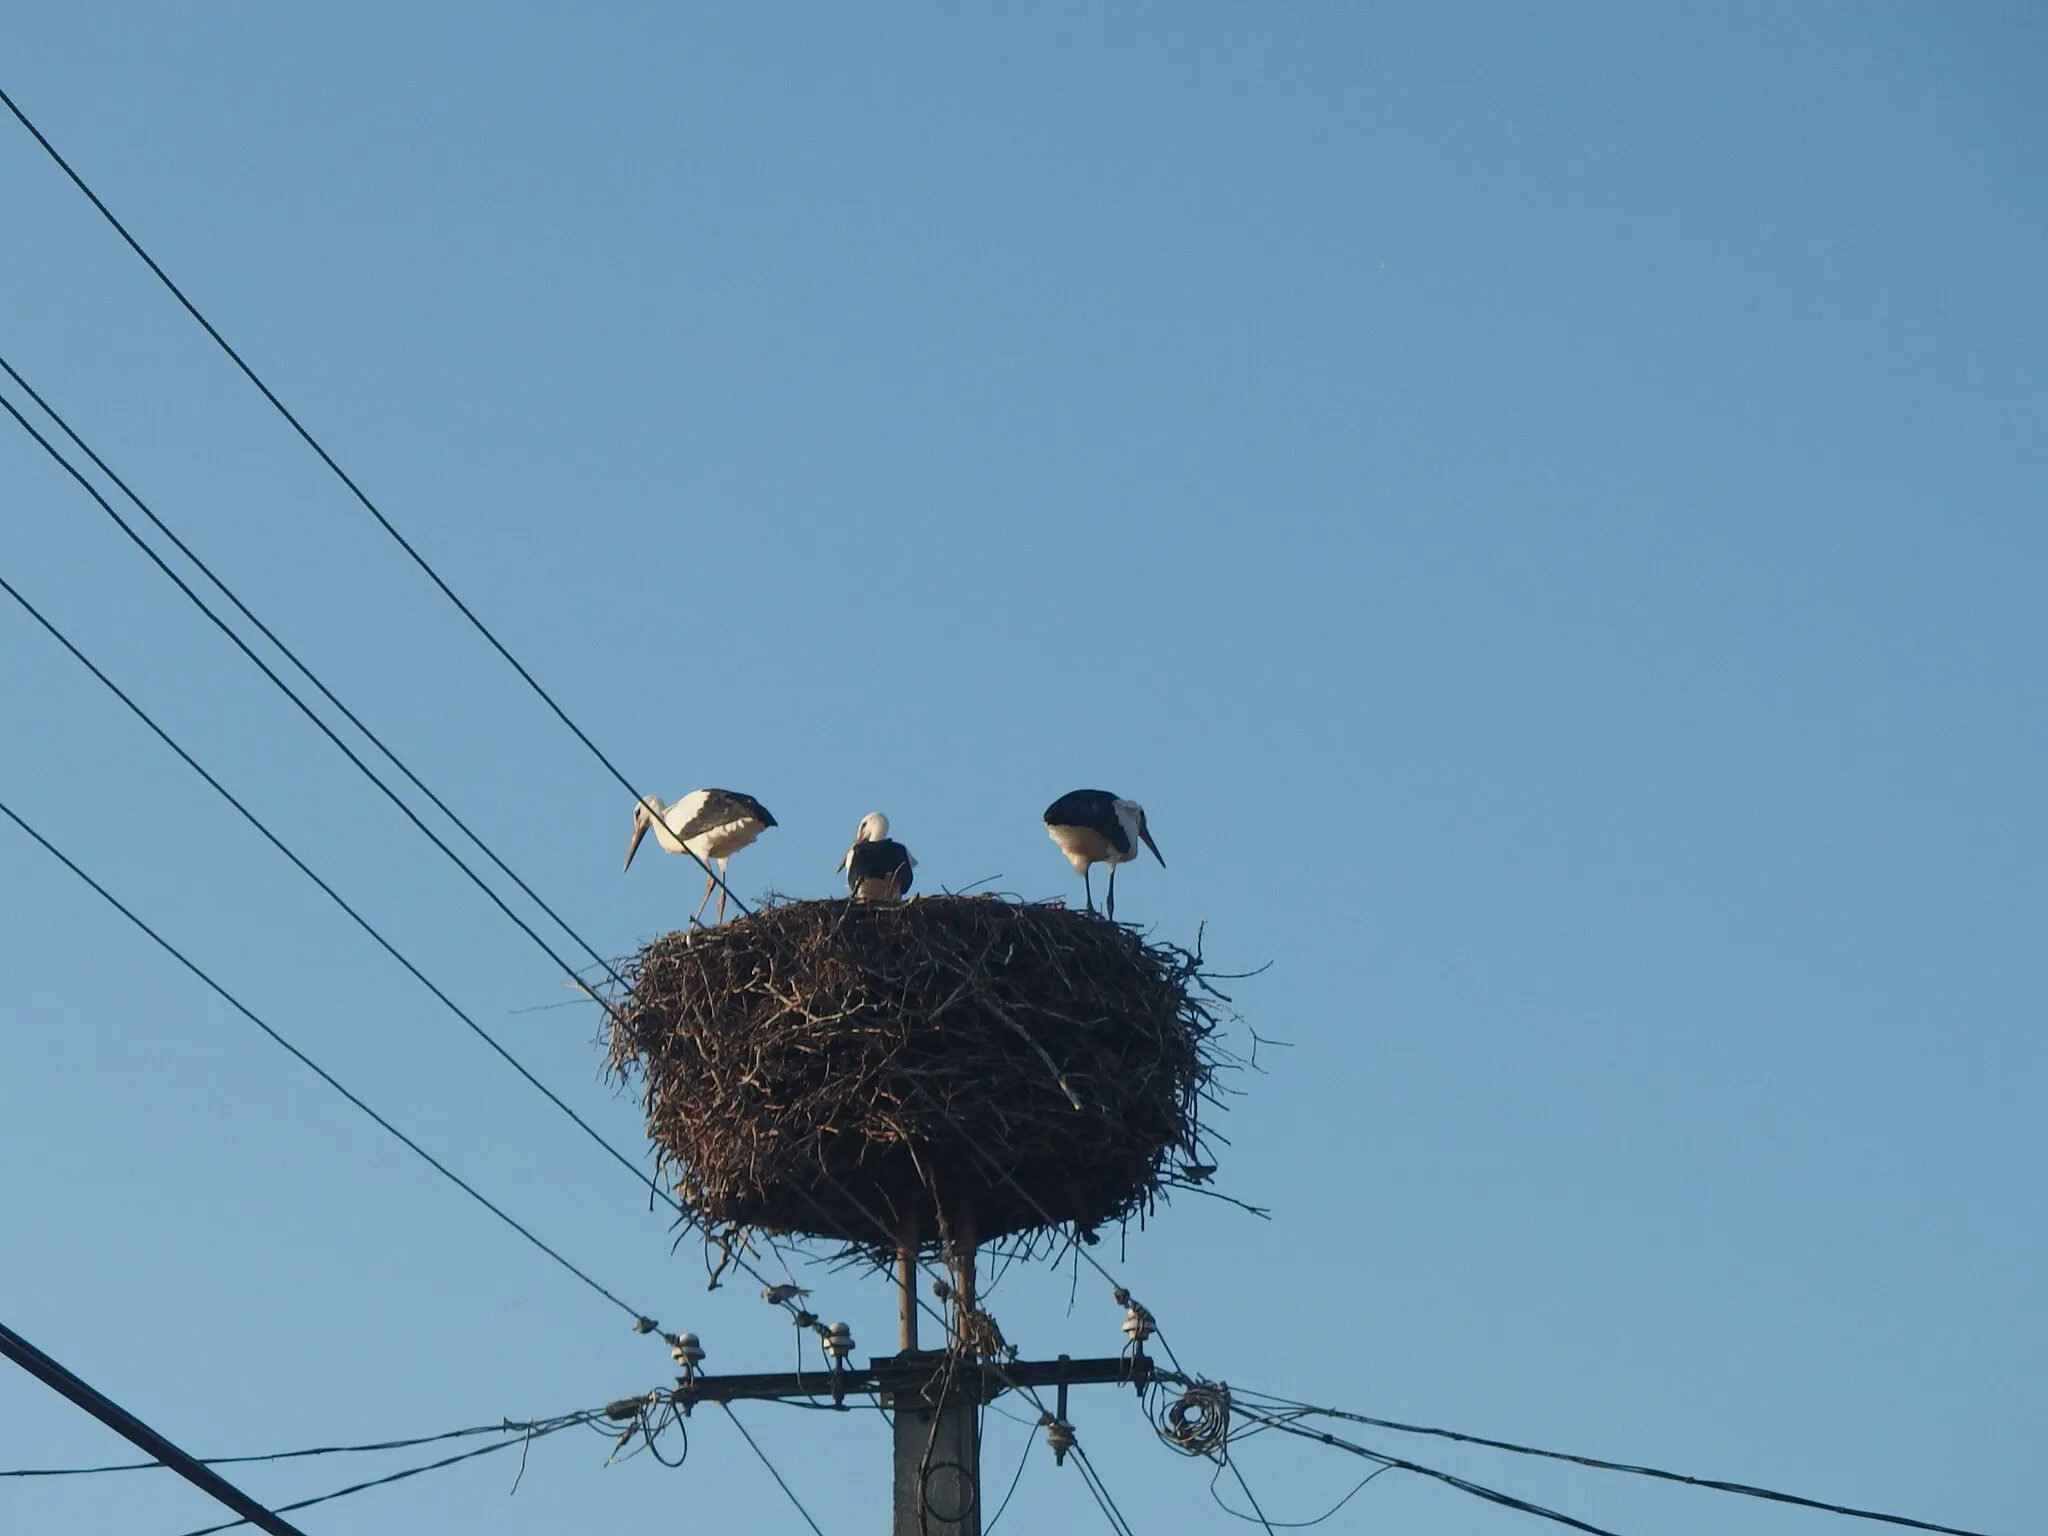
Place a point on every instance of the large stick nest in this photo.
(958, 1068)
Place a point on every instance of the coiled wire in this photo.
(1197, 1422)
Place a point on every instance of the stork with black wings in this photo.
(710, 823)
(877, 867)
(1093, 826)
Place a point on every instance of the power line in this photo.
(289, 692)
(291, 656)
(1747, 1490)
(49, 448)
(533, 1433)
(1236, 1472)
(1285, 1525)
(326, 458)
(362, 767)
(1030, 1441)
(502, 1427)
(300, 864)
(1100, 1490)
(321, 1072)
(787, 1490)
(1463, 1485)
(123, 1423)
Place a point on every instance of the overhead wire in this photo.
(298, 664)
(313, 1066)
(1260, 1517)
(538, 1432)
(1100, 1491)
(640, 1175)
(1721, 1485)
(503, 1426)
(305, 869)
(1230, 1465)
(328, 459)
(788, 1492)
(291, 693)
(1463, 1485)
(1030, 1444)
(61, 1379)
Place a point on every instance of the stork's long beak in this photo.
(640, 825)
(1146, 834)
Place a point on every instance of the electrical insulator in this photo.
(1059, 1434)
(1137, 1324)
(684, 1349)
(838, 1343)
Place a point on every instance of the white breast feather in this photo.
(722, 842)
(1084, 846)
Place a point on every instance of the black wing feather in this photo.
(884, 860)
(1094, 809)
(722, 806)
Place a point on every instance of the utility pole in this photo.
(936, 1482)
(936, 1489)
(934, 1398)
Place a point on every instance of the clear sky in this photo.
(1544, 506)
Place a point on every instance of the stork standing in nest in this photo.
(1092, 826)
(710, 823)
(877, 867)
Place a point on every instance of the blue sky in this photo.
(1543, 507)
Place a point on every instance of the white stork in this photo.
(1092, 826)
(710, 823)
(877, 867)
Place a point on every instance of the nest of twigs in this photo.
(960, 1068)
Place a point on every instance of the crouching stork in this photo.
(1092, 826)
(877, 868)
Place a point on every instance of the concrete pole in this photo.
(937, 1486)
(938, 1460)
